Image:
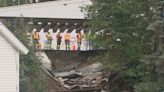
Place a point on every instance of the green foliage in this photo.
(32, 78)
(11, 2)
(147, 87)
(127, 20)
(124, 18)
(2, 3)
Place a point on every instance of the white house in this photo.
(10, 48)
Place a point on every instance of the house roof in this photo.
(67, 9)
(13, 40)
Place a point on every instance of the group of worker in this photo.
(49, 39)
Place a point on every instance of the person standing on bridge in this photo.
(49, 40)
(79, 39)
(35, 37)
(58, 38)
(67, 38)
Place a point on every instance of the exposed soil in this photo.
(68, 60)
(63, 61)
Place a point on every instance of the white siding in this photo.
(8, 67)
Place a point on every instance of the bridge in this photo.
(53, 25)
(45, 18)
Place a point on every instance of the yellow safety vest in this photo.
(48, 36)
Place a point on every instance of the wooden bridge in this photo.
(54, 25)
(45, 17)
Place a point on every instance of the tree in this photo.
(129, 40)
(13, 2)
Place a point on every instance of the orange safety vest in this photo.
(67, 36)
(36, 36)
(79, 37)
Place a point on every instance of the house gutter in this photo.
(8, 35)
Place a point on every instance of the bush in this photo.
(147, 87)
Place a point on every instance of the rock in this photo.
(92, 76)
(96, 67)
(69, 75)
(104, 91)
(46, 63)
(86, 77)
(99, 78)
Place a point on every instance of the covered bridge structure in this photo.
(61, 16)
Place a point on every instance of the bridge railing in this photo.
(85, 45)
(44, 44)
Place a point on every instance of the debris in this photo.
(70, 75)
(96, 67)
(86, 77)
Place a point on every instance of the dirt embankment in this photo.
(66, 61)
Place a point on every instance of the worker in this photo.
(35, 38)
(49, 40)
(89, 37)
(79, 39)
(67, 37)
(58, 38)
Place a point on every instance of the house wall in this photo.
(9, 67)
